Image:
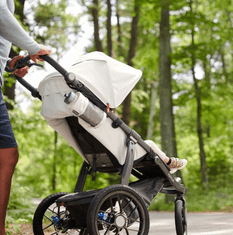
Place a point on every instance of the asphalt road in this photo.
(217, 223)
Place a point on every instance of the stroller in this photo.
(79, 104)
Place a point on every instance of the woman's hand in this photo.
(19, 72)
(43, 51)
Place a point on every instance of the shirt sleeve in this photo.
(11, 30)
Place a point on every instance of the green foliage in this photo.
(53, 25)
(199, 201)
(45, 168)
(20, 208)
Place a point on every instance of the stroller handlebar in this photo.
(26, 62)
(69, 77)
(54, 64)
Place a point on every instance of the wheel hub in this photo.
(120, 221)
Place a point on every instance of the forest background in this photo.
(182, 102)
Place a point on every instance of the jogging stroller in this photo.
(79, 104)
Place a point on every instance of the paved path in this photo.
(163, 223)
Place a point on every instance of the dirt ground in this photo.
(17, 229)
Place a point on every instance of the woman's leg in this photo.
(8, 160)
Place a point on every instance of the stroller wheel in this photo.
(49, 219)
(117, 209)
(180, 217)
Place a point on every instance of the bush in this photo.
(20, 207)
(198, 200)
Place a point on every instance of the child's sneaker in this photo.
(176, 164)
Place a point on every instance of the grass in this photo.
(199, 200)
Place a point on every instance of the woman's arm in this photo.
(11, 30)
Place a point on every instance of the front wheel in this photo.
(180, 217)
(117, 209)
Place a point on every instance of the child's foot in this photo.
(176, 164)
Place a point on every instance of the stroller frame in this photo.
(163, 182)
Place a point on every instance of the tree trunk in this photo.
(165, 87)
(19, 10)
(198, 99)
(224, 69)
(109, 27)
(131, 54)
(207, 72)
(151, 123)
(95, 14)
(119, 41)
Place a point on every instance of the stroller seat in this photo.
(99, 157)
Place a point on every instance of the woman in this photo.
(11, 32)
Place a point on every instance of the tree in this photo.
(198, 99)
(151, 122)
(95, 14)
(131, 54)
(165, 86)
(109, 28)
(119, 33)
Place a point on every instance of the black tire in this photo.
(117, 209)
(180, 217)
(42, 221)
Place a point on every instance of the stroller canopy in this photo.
(110, 80)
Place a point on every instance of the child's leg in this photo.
(174, 163)
(157, 150)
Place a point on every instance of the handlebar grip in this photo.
(25, 59)
(23, 62)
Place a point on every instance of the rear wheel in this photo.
(117, 209)
(180, 217)
(52, 220)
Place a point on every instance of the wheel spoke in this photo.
(126, 231)
(138, 221)
(117, 232)
(133, 230)
(48, 226)
(119, 202)
(107, 230)
(110, 198)
(52, 211)
(48, 218)
(127, 204)
(54, 233)
(82, 231)
(132, 211)
(99, 220)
